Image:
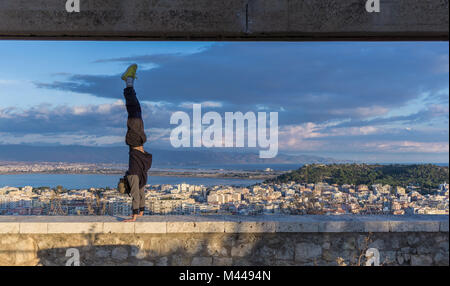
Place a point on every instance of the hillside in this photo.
(425, 176)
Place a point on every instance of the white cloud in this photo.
(407, 147)
(9, 82)
(210, 104)
(44, 110)
(320, 138)
(442, 64)
(361, 112)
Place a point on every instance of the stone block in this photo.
(162, 261)
(180, 260)
(8, 239)
(202, 261)
(216, 248)
(425, 249)
(210, 226)
(443, 226)
(170, 245)
(118, 227)
(145, 263)
(150, 227)
(395, 242)
(102, 253)
(181, 227)
(306, 251)
(9, 227)
(444, 245)
(376, 226)
(25, 251)
(193, 245)
(75, 227)
(242, 249)
(441, 258)
(412, 239)
(33, 227)
(241, 262)
(421, 260)
(138, 250)
(250, 227)
(297, 227)
(222, 261)
(285, 253)
(342, 226)
(349, 244)
(388, 257)
(119, 253)
(414, 226)
(378, 244)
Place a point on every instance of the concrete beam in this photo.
(224, 20)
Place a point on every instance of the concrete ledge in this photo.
(223, 224)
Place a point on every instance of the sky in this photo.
(364, 101)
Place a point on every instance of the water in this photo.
(78, 181)
(244, 167)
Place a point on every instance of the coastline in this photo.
(242, 175)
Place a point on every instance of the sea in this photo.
(82, 181)
(238, 167)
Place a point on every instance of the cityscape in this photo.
(230, 139)
(265, 198)
(59, 167)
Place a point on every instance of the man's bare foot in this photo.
(133, 218)
(141, 214)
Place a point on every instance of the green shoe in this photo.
(130, 72)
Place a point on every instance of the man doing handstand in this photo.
(139, 160)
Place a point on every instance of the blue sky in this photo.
(372, 102)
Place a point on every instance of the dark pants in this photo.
(137, 194)
(135, 126)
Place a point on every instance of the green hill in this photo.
(425, 176)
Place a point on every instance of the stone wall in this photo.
(301, 240)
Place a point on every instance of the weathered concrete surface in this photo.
(223, 224)
(225, 20)
(225, 240)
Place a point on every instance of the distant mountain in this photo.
(161, 158)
